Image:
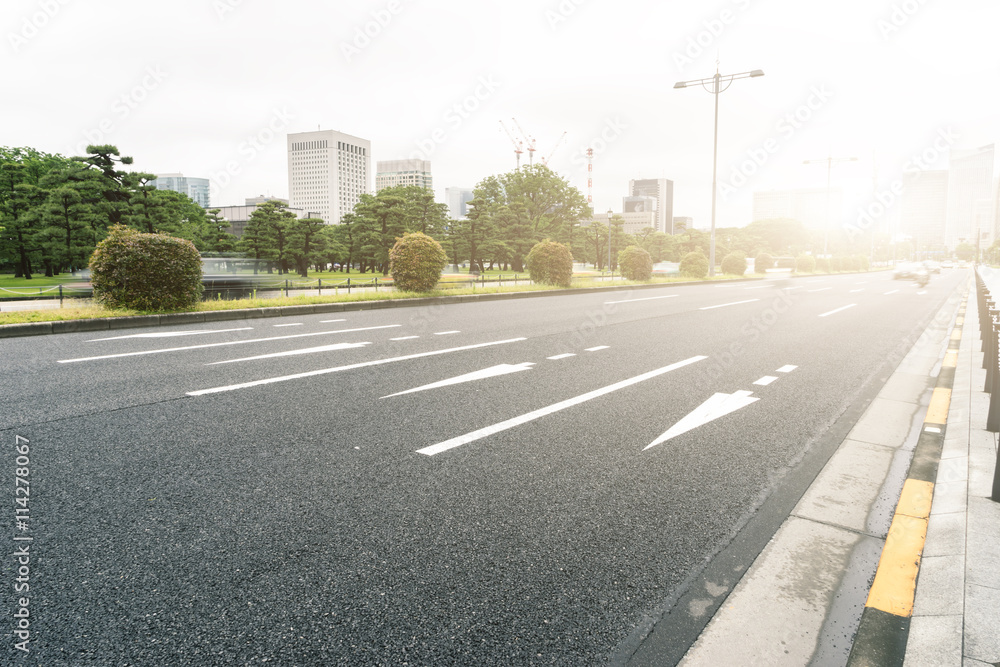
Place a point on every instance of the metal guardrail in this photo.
(989, 329)
(228, 288)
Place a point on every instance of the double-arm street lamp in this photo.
(610, 215)
(717, 82)
(830, 161)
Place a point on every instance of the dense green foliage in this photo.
(694, 265)
(550, 263)
(635, 263)
(805, 264)
(762, 263)
(734, 264)
(416, 262)
(129, 269)
(54, 210)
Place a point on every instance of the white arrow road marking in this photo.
(231, 342)
(717, 406)
(171, 334)
(493, 371)
(337, 369)
(291, 353)
(556, 407)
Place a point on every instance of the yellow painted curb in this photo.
(937, 411)
(950, 359)
(956, 334)
(915, 500)
(896, 578)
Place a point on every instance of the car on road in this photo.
(947, 264)
(905, 271)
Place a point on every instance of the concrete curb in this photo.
(885, 622)
(109, 323)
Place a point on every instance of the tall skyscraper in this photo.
(970, 195)
(195, 188)
(328, 171)
(662, 190)
(816, 208)
(925, 207)
(390, 173)
(457, 200)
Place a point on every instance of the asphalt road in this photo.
(260, 490)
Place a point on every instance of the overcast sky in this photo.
(209, 88)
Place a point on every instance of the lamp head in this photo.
(757, 72)
(681, 84)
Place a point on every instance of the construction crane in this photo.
(517, 144)
(546, 159)
(529, 141)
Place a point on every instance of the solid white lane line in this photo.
(293, 324)
(821, 289)
(922, 292)
(292, 353)
(561, 356)
(330, 321)
(171, 334)
(723, 305)
(231, 342)
(446, 333)
(493, 371)
(786, 369)
(855, 291)
(556, 407)
(405, 338)
(337, 369)
(838, 310)
(647, 298)
(758, 287)
(890, 292)
(766, 380)
(595, 349)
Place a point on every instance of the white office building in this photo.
(195, 188)
(458, 202)
(390, 173)
(661, 191)
(970, 196)
(328, 171)
(925, 207)
(816, 208)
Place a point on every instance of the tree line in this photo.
(54, 210)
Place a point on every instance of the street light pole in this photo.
(716, 81)
(610, 214)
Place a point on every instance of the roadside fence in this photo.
(988, 280)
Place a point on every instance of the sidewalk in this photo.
(956, 613)
(809, 598)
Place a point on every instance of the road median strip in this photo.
(885, 622)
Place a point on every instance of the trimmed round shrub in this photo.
(805, 264)
(864, 263)
(416, 262)
(694, 265)
(851, 263)
(550, 263)
(129, 269)
(762, 263)
(823, 265)
(836, 264)
(735, 264)
(635, 263)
